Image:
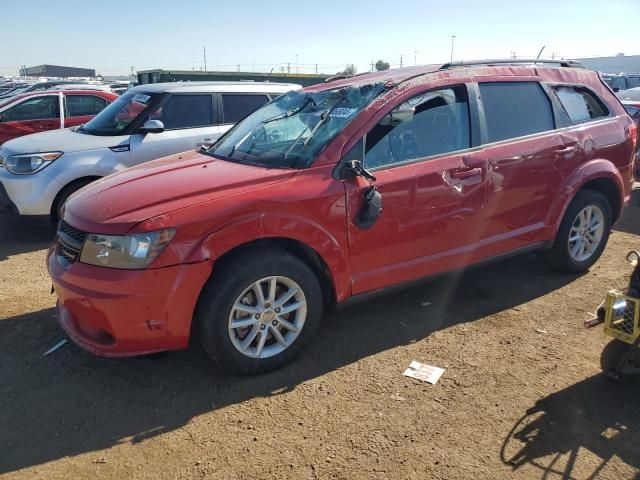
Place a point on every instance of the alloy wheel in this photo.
(586, 233)
(267, 317)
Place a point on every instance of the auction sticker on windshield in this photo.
(343, 112)
(141, 98)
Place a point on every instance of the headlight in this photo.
(29, 163)
(127, 251)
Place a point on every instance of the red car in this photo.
(46, 110)
(339, 190)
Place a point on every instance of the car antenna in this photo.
(269, 76)
(540, 53)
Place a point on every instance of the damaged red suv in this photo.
(337, 190)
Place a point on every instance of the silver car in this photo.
(38, 172)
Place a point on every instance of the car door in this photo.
(188, 124)
(80, 108)
(31, 115)
(527, 161)
(433, 188)
(236, 106)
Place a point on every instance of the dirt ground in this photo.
(513, 402)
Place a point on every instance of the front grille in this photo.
(69, 243)
(77, 235)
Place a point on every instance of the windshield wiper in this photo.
(323, 118)
(83, 129)
(289, 113)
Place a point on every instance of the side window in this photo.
(429, 124)
(580, 104)
(515, 109)
(236, 106)
(80, 105)
(38, 108)
(186, 111)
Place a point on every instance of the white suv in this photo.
(147, 122)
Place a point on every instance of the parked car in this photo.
(337, 191)
(40, 86)
(146, 123)
(631, 101)
(621, 82)
(40, 111)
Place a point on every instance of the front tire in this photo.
(62, 197)
(583, 233)
(259, 311)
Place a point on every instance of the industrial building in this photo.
(159, 76)
(56, 71)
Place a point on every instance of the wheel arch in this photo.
(295, 247)
(68, 185)
(598, 175)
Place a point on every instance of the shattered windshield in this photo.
(292, 130)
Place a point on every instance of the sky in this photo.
(113, 37)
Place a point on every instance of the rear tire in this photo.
(64, 194)
(231, 298)
(583, 233)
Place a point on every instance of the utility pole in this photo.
(288, 67)
(238, 67)
(204, 55)
(453, 37)
(400, 60)
(372, 65)
(132, 74)
(415, 57)
(297, 71)
(316, 68)
(513, 55)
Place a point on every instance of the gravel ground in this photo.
(513, 402)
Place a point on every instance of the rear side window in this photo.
(38, 108)
(580, 104)
(235, 107)
(80, 105)
(515, 109)
(186, 111)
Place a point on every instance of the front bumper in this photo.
(28, 194)
(119, 313)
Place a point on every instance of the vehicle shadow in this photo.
(72, 402)
(596, 414)
(22, 236)
(629, 222)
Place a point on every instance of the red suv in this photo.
(41, 111)
(336, 190)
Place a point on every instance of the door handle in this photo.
(564, 151)
(467, 173)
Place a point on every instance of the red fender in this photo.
(591, 170)
(286, 226)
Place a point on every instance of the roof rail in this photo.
(515, 61)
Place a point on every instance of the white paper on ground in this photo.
(424, 372)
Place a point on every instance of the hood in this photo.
(116, 203)
(66, 140)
